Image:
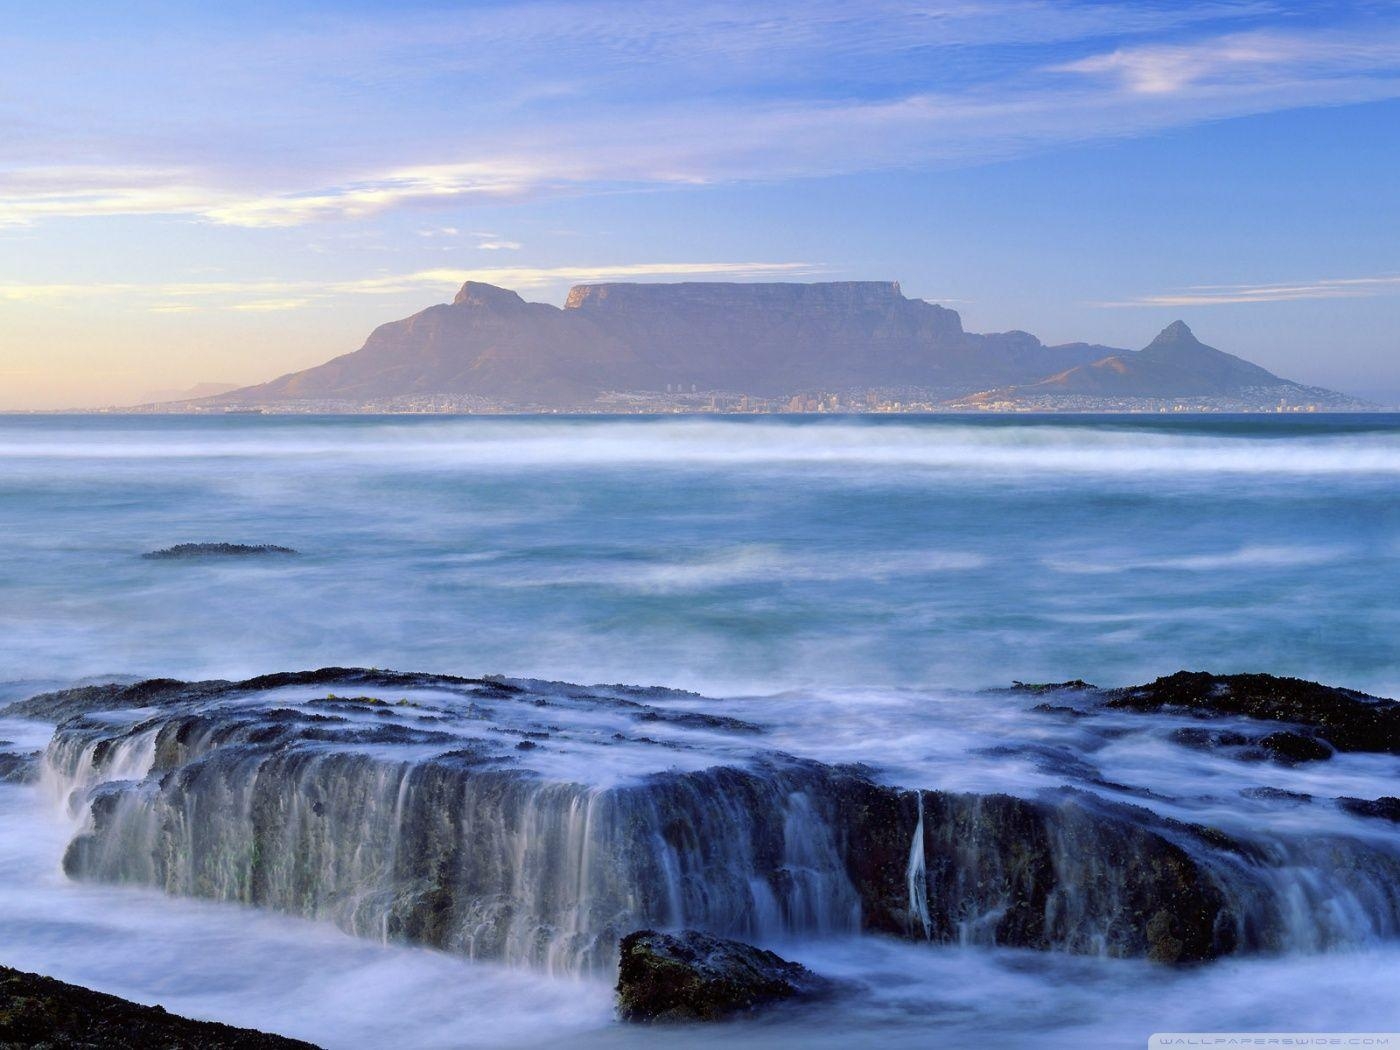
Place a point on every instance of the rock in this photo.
(694, 976)
(1387, 807)
(40, 1012)
(1292, 748)
(16, 768)
(1344, 718)
(1273, 794)
(186, 551)
(726, 836)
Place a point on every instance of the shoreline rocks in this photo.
(39, 1012)
(459, 814)
(693, 976)
(1345, 719)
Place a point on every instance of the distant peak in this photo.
(1176, 336)
(1177, 330)
(479, 293)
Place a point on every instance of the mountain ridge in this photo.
(767, 340)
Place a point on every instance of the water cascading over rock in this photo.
(538, 824)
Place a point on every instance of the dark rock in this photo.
(693, 976)
(1060, 709)
(1074, 685)
(1272, 794)
(1203, 739)
(700, 720)
(1387, 807)
(1291, 748)
(1344, 718)
(217, 550)
(436, 818)
(40, 1012)
(16, 768)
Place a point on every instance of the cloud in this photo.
(499, 246)
(1242, 59)
(678, 95)
(274, 295)
(1224, 294)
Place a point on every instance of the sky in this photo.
(196, 193)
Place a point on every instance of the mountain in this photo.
(199, 390)
(490, 347)
(768, 340)
(1174, 365)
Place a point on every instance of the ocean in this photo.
(854, 583)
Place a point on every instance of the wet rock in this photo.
(19, 768)
(190, 551)
(41, 1012)
(1272, 794)
(1292, 748)
(1387, 807)
(466, 842)
(694, 976)
(699, 720)
(1202, 739)
(1075, 685)
(1346, 719)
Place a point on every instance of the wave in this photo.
(923, 444)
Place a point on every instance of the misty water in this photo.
(849, 583)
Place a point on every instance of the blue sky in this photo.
(191, 195)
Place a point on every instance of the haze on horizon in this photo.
(192, 196)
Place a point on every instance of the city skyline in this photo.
(181, 200)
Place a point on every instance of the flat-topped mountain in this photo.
(761, 340)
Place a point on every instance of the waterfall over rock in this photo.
(538, 823)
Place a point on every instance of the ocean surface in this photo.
(851, 582)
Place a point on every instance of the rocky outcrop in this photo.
(693, 976)
(189, 551)
(41, 1012)
(485, 817)
(1342, 718)
(1387, 807)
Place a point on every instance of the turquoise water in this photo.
(721, 554)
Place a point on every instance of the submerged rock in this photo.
(1387, 807)
(218, 550)
(1344, 718)
(41, 1012)
(693, 976)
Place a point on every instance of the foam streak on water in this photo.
(847, 584)
(722, 555)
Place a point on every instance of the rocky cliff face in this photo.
(760, 339)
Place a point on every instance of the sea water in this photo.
(850, 581)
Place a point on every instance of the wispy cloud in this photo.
(274, 295)
(1223, 294)
(672, 95)
(1244, 60)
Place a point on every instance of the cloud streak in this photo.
(1228, 294)
(274, 296)
(692, 95)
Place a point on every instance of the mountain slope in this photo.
(762, 339)
(1174, 365)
